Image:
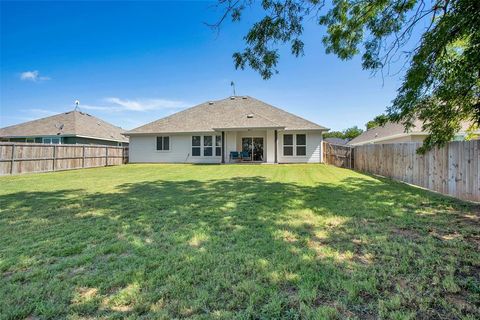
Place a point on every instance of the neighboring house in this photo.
(73, 127)
(337, 141)
(211, 131)
(395, 133)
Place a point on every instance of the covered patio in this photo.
(250, 145)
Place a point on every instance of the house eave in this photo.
(248, 128)
(394, 136)
(61, 136)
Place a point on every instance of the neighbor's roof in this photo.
(337, 141)
(393, 130)
(231, 113)
(72, 123)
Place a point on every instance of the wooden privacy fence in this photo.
(337, 155)
(453, 169)
(16, 158)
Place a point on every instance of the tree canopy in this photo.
(442, 80)
(349, 133)
(379, 120)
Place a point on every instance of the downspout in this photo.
(223, 146)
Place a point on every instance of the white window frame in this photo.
(51, 140)
(294, 145)
(202, 145)
(300, 145)
(199, 146)
(163, 143)
(288, 145)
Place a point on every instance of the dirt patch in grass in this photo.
(408, 234)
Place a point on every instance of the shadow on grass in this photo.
(244, 247)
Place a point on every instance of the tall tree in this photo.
(442, 84)
(352, 132)
(376, 122)
(349, 133)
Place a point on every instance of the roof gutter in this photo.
(248, 128)
(394, 136)
(62, 136)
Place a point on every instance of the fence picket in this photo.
(453, 169)
(36, 157)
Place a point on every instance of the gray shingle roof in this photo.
(391, 129)
(230, 113)
(72, 123)
(337, 141)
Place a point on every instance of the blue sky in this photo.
(132, 63)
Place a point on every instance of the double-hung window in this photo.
(288, 144)
(207, 146)
(196, 148)
(301, 144)
(295, 145)
(163, 143)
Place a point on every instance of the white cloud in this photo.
(100, 108)
(146, 104)
(33, 76)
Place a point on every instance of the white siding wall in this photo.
(143, 149)
(314, 148)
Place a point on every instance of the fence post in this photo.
(106, 156)
(13, 159)
(54, 156)
(83, 156)
(352, 158)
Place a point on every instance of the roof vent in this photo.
(250, 115)
(232, 98)
(210, 103)
(244, 98)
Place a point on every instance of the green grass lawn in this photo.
(238, 241)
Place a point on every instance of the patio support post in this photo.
(223, 146)
(276, 143)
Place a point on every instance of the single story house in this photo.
(395, 133)
(73, 127)
(219, 131)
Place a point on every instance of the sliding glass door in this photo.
(254, 147)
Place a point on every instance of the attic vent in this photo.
(210, 103)
(232, 98)
(244, 98)
(249, 116)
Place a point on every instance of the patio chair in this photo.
(245, 155)
(234, 155)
